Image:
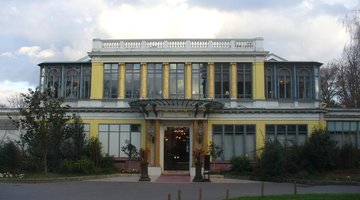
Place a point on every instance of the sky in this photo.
(35, 31)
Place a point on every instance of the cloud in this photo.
(7, 54)
(9, 89)
(36, 52)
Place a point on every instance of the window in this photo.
(199, 80)
(111, 80)
(269, 82)
(289, 135)
(244, 77)
(284, 84)
(222, 80)
(235, 140)
(72, 80)
(114, 136)
(155, 80)
(345, 132)
(132, 80)
(53, 81)
(85, 86)
(304, 84)
(177, 80)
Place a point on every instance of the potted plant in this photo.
(215, 152)
(132, 163)
(144, 165)
(198, 160)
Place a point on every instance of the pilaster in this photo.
(97, 79)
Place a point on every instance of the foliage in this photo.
(320, 151)
(93, 151)
(130, 150)
(42, 123)
(81, 166)
(10, 157)
(214, 151)
(349, 157)
(240, 164)
(74, 144)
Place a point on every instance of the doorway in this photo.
(176, 148)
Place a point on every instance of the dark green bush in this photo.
(241, 165)
(320, 151)
(32, 163)
(348, 157)
(93, 151)
(81, 166)
(10, 157)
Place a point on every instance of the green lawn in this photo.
(305, 197)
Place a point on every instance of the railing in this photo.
(255, 44)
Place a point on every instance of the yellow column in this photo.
(195, 135)
(233, 94)
(205, 138)
(188, 80)
(143, 80)
(258, 81)
(211, 81)
(166, 81)
(157, 143)
(122, 81)
(94, 130)
(97, 78)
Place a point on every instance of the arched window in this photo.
(86, 82)
(304, 84)
(53, 82)
(284, 84)
(72, 81)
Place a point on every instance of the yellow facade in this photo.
(258, 81)
(143, 80)
(122, 81)
(188, 82)
(233, 73)
(97, 81)
(166, 80)
(211, 71)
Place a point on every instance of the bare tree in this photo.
(328, 83)
(16, 101)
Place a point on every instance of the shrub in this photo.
(93, 151)
(10, 157)
(240, 164)
(82, 166)
(348, 157)
(130, 150)
(320, 151)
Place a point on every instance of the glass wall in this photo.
(111, 81)
(235, 140)
(155, 80)
(345, 132)
(71, 81)
(115, 136)
(222, 80)
(244, 80)
(132, 80)
(177, 80)
(199, 80)
(292, 134)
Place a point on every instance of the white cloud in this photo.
(9, 89)
(36, 52)
(7, 54)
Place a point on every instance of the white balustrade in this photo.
(255, 44)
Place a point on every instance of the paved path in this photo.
(127, 187)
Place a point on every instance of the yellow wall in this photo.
(97, 74)
(143, 80)
(94, 127)
(188, 82)
(258, 80)
(122, 81)
(233, 94)
(166, 80)
(211, 81)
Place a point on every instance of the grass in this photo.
(305, 197)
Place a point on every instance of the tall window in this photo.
(72, 80)
(115, 136)
(199, 80)
(54, 81)
(222, 80)
(244, 77)
(132, 80)
(85, 87)
(235, 140)
(284, 84)
(177, 80)
(345, 132)
(287, 134)
(269, 82)
(304, 84)
(155, 80)
(111, 80)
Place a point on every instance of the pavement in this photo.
(124, 187)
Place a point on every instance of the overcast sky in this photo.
(35, 31)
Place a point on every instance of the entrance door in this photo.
(176, 148)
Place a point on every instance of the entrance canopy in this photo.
(153, 107)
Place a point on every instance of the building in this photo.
(173, 96)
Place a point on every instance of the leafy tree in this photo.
(42, 121)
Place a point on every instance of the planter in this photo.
(127, 165)
(198, 176)
(144, 172)
(218, 166)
